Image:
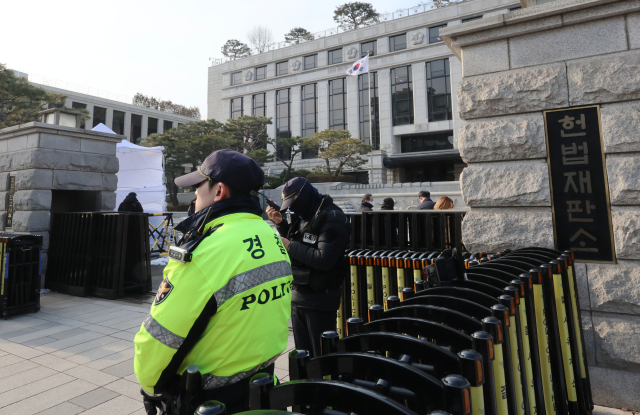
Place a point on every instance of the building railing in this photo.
(70, 86)
(384, 17)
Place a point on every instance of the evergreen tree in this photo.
(298, 35)
(354, 15)
(234, 49)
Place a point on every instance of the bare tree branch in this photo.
(260, 38)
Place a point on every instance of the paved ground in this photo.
(76, 356)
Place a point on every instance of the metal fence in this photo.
(20, 266)
(416, 230)
(99, 254)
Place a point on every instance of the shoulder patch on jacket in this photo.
(163, 292)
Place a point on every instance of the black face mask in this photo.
(306, 202)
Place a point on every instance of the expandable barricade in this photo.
(99, 254)
(20, 270)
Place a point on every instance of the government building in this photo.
(414, 76)
(133, 121)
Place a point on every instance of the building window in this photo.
(118, 122)
(335, 56)
(364, 110)
(283, 129)
(471, 19)
(371, 47)
(401, 96)
(261, 73)
(136, 128)
(236, 78)
(167, 125)
(282, 68)
(515, 8)
(430, 142)
(79, 105)
(152, 126)
(434, 34)
(99, 116)
(337, 104)
(439, 90)
(236, 108)
(310, 62)
(259, 105)
(398, 42)
(309, 116)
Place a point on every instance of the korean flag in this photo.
(360, 67)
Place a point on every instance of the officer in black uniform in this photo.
(315, 234)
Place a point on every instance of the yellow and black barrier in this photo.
(538, 363)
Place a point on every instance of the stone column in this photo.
(145, 126)
(109, 120)
(127, 125)
(352, 106)
(455, 70)
(514, 67)
(419, 76)
(323, 105)
(295, 115)
(271, 112)
(88, 124)
(384, 92)
(247, 105)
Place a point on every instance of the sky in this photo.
(159, 48)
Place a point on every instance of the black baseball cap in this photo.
(229, 167)
(291, 189)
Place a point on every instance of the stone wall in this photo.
(562, 54)
(45, 157)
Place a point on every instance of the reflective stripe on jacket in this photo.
(226, 311)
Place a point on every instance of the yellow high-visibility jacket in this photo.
(226, 311)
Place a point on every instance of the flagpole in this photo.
(370, 119)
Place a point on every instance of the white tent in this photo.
(142, 172)
(101, 128)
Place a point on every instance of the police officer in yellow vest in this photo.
(225, 300)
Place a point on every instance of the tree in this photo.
(142, 100)
(260, 38)
(189, 144)
(354, 15)
(297, 145)
(249, 136)
(339, 149)
(234, 49)
(21, 101)
(298, 35)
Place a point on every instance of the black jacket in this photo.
(130, 204)
(365, 207)
(322, 262)
(428, 204)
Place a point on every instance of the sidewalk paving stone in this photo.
(112, 359)
(94, 398)
(70, 341)
(100, 352)
(121, 405)
(81, 348)
(26, 330)
(48, 399)
(87, 374)
(70, 333)
(121, 369)
(54, 363)
(124, 387)
(19, 367)
(25, 377)
(40, 341)
(40, 333)
(19, 350)
(35, 388)
(64, 408)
